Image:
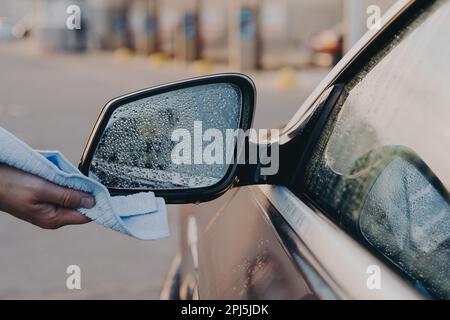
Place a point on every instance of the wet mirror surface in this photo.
(174, 140)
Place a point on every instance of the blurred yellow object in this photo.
(201, 67)
(286, 80)
(158, 58)
(123, 53)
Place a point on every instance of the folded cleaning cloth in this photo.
(142, 215)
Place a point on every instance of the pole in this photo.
(355, 21)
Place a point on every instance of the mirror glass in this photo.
(174, 140)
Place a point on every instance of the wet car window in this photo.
(381, 166)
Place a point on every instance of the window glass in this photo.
(381, 167)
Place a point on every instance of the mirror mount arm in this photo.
(252, 174)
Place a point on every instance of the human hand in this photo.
(40, 202)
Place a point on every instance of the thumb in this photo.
(66, 198)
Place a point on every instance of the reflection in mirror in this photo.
(135, 150)
(407, 219)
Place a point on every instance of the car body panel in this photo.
(262, 242)
(240, 253)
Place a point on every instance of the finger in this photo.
(66, 198)
(70, 217)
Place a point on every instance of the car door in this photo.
(379, 167)
(362, 210)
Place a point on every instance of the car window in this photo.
(380, 168)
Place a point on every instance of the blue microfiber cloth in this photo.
(142, 215)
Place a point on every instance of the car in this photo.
(359, 205)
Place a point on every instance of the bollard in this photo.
(286, 80)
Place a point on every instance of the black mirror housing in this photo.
(174, 194)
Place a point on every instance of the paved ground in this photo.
(51, 102)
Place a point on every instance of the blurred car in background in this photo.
(328, 47)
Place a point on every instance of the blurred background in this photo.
(55, 80)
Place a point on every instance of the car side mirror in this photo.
(172, 139)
